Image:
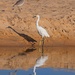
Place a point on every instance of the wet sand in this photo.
(25, 58)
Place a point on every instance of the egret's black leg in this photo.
(43, 42)
(42, 45)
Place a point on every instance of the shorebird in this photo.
(41, 30)
(19, 3)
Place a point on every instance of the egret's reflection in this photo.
(39, 63)
(41, 60)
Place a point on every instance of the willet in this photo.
(19, 3)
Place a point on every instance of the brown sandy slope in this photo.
(57, 16)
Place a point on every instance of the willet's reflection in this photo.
(13, 73)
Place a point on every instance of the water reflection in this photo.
(40, 61)
(26, 58)
(40, 71)
(28, 50)
(13, 72)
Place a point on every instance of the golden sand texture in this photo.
(57, 17)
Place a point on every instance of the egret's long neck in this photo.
(34, 70)
(37, 21)
(35, 73)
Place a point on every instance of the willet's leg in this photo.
(19, 9)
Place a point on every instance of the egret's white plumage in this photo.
(40, 62)
(40, 29)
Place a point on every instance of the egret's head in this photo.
(36, 16)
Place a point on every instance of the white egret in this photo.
(39, 63)
(40, 29)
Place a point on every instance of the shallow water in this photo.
(39, 71)
(60, 60)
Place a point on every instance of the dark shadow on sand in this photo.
(26, 37)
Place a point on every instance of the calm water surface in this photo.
(21, 60)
